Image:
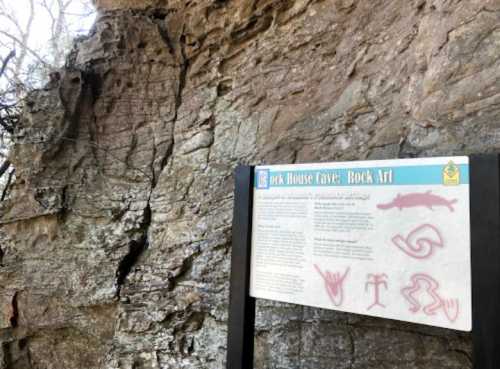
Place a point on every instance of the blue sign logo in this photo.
(262, 176)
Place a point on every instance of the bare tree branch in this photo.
(4, 167)
(7, 184)
(30, 50)
(9, 15)
(6, 62)
(56, 11)
(32, 63)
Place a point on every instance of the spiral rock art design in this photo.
(421, 242)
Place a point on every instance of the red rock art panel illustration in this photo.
(424, 283)
(377, 281)
(334, 284)
(421, 242)
(418, 199)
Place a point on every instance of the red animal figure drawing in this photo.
(428, 287)
(421, 242)
(377, 281)
(411, 200)
(334, 284)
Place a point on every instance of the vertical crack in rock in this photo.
(71, 94)
(6, 363)
(93, 85)
(184, 66)
(64, 202)
(183, 70)
(15, 355)
(159, 18)
(136, 248)
(22, 344)
(15, 312)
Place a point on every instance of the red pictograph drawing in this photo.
(421, 242)
(411, 200)
(377, 281)
(334, 284)
(422, 282)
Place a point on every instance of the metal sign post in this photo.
(485, 242)
(240, 342)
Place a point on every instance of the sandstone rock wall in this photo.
(115, 241)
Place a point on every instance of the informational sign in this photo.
(384, 238)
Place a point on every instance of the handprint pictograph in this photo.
(334, 284)
(421, 242)
(377, 281)
(426, 199)
(427, 288)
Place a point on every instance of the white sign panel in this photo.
(384, 238)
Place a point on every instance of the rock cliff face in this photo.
(115, 240)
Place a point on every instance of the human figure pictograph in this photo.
(334, 284)
(377, 281)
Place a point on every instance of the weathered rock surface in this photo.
(115, 240)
